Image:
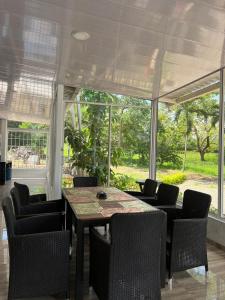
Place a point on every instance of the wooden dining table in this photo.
(88, 210)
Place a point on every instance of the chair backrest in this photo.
(82, 181)
(15, 200)
(135, 255)
(196, 204)
(23, 193)
(9, 216)
(150, 187)
(167, 194)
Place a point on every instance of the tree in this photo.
(206, 116)
(184, 111)
(168, 139)
(131, 130)
(201, 117)
(90, 144)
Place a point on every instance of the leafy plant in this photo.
(174, 178)
(167, 153)
(123, 182)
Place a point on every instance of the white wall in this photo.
(216, 231)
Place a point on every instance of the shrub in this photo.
(168, 155)
(67, 182)
(213, 211)
(174, 178)
(123, 182)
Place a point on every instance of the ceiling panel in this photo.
(136, 47)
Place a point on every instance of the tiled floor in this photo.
(191, 285)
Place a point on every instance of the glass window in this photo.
(130, 146)
(188, 145)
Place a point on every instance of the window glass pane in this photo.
(130, 146)
(223, 204)
(188, 145)
(86, 148)
(86, 142)
(27, 145)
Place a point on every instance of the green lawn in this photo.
(208, 167)
(134, 172)
(194, 165)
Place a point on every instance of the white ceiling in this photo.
(143, 48)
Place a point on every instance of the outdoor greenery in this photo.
(89, 142)
(174, 178)
(187, 140)
(183, 130)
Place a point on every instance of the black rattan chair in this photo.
(149, 189)
(39, 255)
(128, 265)
(23, 205)
(187, 229)
(27, 198)
(166, 195)
(85, 181)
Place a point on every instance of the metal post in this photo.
(79, 115)
(153, 140)
(221, 146)
(4, 139)
(109, 143)
(56, 146)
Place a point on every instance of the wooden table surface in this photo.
(86, 206)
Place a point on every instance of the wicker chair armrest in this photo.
(38, 224)
(173, 212)
(34, 215)
(187, 230)
(24, 216)
(57, 236)
(60, 204)
(44, 207)
(149, 200)
(165, 207)
(37, 198)
(190, 221)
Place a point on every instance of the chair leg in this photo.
(170, 284)
(67, 296)
(206, 268)
(170, 281)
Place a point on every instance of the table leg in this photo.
(79, 276)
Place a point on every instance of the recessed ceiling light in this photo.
(80, 35)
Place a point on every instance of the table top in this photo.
(87, 206)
